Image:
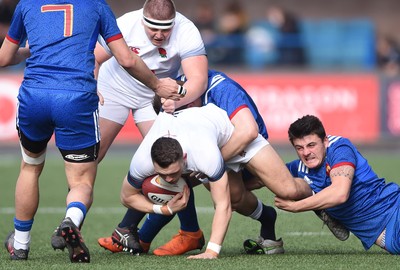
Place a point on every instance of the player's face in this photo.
(172, 173)
(311, 150)
(157, 36)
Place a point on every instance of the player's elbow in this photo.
(127, 63)
(342, 198)
(248, 134)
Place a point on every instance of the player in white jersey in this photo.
(168, 43)
(211, 132)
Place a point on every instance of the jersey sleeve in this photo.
(17, 33)
(293, 167)
(341, 153)
(190, 40)
(108, 28)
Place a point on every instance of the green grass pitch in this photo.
(308, 244)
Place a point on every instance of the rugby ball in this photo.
(159, 191)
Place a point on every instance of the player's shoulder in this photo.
(336, 141)
(183, 23)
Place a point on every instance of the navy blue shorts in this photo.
(71, 115)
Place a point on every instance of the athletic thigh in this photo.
(270, 168)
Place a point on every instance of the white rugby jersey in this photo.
(201, 131)
(116, 84)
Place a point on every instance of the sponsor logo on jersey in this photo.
(134, 49)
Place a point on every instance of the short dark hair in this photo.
(165, 151)
(307, 125)
(159, 9)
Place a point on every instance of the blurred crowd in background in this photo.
(281, 39)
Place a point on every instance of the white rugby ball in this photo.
(159, 191)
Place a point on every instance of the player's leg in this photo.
(247, 204)
(268, 166)
(189, 237)
(34, 132)
(125, 235)
(151, 227)
(112, 119)
(26, 203)
(78, 140)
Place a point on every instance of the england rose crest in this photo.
(162, 52)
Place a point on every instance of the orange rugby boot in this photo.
(108, 244)
(181, 243)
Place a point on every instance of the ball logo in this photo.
(160, 198)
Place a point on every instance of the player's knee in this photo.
(84, 155)
(237, 199)
(33, 160)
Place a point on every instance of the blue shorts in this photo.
(71, 115)
(392, 237)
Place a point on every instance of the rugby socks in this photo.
(188, 216)
(131, 219)
(76, 211)
(152, 226)
(267, 217)
(22, 234)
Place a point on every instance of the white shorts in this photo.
(238, 162)
(119, 113)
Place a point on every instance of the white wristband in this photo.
(214, 247)
(157, 209)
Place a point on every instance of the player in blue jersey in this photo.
(345, 185)
(58, 95)
(232, 98)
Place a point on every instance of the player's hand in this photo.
(168, 105)
(204, 255)
(169, 89)
(284, 204)
(180, 200)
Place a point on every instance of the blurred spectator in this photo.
(231, 26)
(204, 19)
(6, 12)
(388, 55)
(290, 46)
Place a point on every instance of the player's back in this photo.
(61, 36)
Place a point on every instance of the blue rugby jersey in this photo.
(371, 202)
(62, 36)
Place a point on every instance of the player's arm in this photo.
(12, 54)
(195, 69)
(101, 55)
(246, 130)
(134, 65)
(335, 194)
(222, 203)
(132, 197)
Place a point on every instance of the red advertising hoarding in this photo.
(347, 104)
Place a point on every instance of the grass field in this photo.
(308, 245)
